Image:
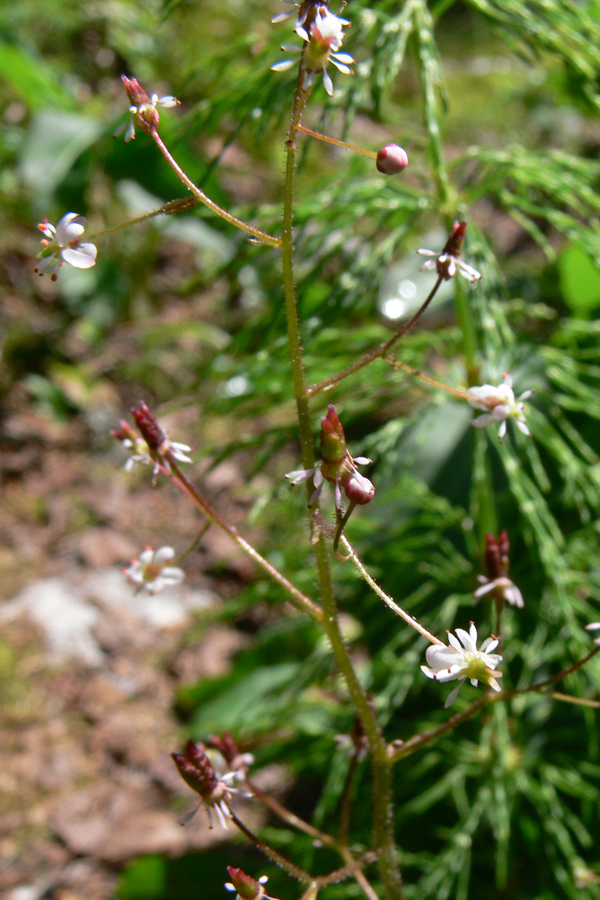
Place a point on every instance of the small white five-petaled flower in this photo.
(152, 572)
(323, 38)
(63, 245)
(143, 110)
(499, 404)
(462, 662)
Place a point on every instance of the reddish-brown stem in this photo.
(336, 142)
(379, 351)
(290, 817)
(300, 600)
(274, 855)
(260, 236)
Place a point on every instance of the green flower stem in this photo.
(300, 600)
(290, 867)
(260, 236)
(410, 620)
(399, 749)
(173, 206)
(329, 140)
(399, 365)
(383, 825)
(378, 352)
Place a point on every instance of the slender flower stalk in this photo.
(144, 112)
(410, 620)
(380, 351)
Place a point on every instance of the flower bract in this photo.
(462, 660)
(62, 244)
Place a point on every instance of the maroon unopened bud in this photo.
(148, 426)
(225, 745)
(496, 555)
(136, 93)
(247, 888)
(392, 159)
(333, 440)
(196, 769)
(359, 489)
(456, 239)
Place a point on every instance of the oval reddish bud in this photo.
(392, 159)
(359, 489)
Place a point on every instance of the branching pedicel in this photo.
(212, 771)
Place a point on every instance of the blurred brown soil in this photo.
(88, 669)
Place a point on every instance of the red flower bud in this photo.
(392, 159)
(247, 887)
(136, 93)
(196, 769)
(148, 426)
(333, 440)
(359, 489)
(455, 240)
(496, 555)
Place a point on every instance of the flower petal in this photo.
(81, 257)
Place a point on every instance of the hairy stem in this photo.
(336, 142)
(300, 600)
(260, 236)
(410, 620)
(378, 352)
(383, 825)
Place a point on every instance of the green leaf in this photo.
(55, 140)
(579, 281)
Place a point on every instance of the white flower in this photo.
(144, 111)
(63, 245)
(449, 266)
(448, 263)
(505, 587)
(462, 662)
(139, 452)
(594, 626)
(152, 572)
(323, 39)
(500, 404)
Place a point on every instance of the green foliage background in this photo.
(497, 104)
